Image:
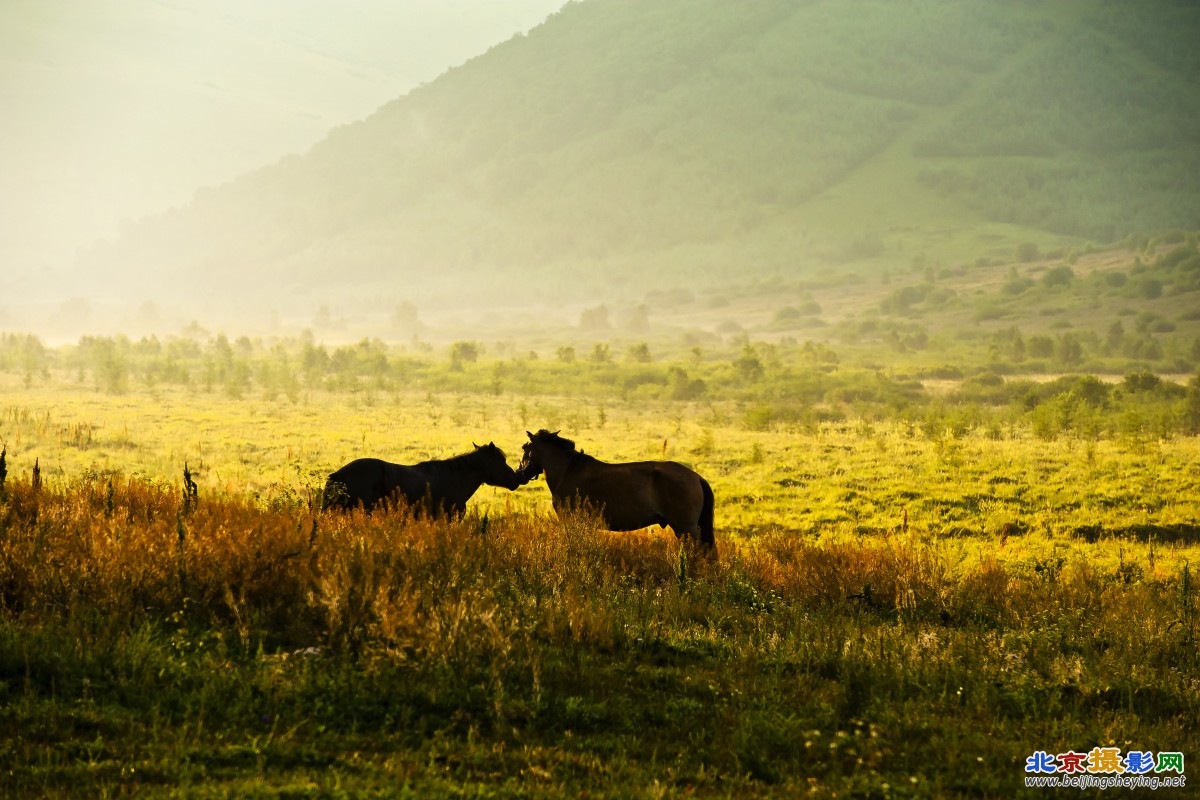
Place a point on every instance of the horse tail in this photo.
(706, 516)
(336, 495)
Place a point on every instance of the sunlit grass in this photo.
(891, 603)
(265, 645)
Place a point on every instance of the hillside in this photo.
(116, 109)
(623, 147)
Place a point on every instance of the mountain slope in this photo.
(624, 146)
(120, 108)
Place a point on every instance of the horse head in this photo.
(543, 442)
(530, 467)
(496, 468)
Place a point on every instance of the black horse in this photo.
(627, 496)
(442, 487)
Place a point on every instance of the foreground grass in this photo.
(251, 648)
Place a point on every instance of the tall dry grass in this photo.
(781, 659)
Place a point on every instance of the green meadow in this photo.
(918, 584)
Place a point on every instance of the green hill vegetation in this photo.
(623, 147)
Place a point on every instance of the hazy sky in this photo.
(113, 109)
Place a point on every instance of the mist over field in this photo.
(276, 168)
(617, 150)
(115, 111)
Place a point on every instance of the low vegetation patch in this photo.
(266, 648)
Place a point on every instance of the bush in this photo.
(1058, 276)
(1148, 288)
(638, 353)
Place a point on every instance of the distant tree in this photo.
(222, 351)
(1017, 347)
(1092, 391)
(1069, 349)
(1116, 334)
(1191, 409)
(1142, 381)
(566, 354)
(682, 387)
(639, 319)
(1026, 252)
(594, 319)
(786, 314)
(901, 301)
(1149, 288)
(748, 364)
(1041, 346)
(1058, 276)
(463, 353)
(600, 354)
(638, 353)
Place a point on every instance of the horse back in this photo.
(370, 481)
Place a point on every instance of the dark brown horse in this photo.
(627, 496)
(438, 486)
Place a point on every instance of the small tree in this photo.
(748, 364)
(1041, 346)
(638, 353)
(1026, 252)
(594, 319)
(1058, 276)
(1191, 415)
(191, 492)
(462, 353)
(1069, 350)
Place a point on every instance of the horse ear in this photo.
(557, 432)
(474, 445)
(530, 435)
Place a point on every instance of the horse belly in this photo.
(625, 521)
(626, 503)
(414, 489)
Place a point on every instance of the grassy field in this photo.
(900, 607)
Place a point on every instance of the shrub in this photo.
(638, 353)
(758, 418)
(682, 387)
(1058, 276)
(464, 353)
(1026, 252)
(1041, 346)
(1142, 381)
(1147, 287)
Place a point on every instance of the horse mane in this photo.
(457, 463)
(553, 438)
